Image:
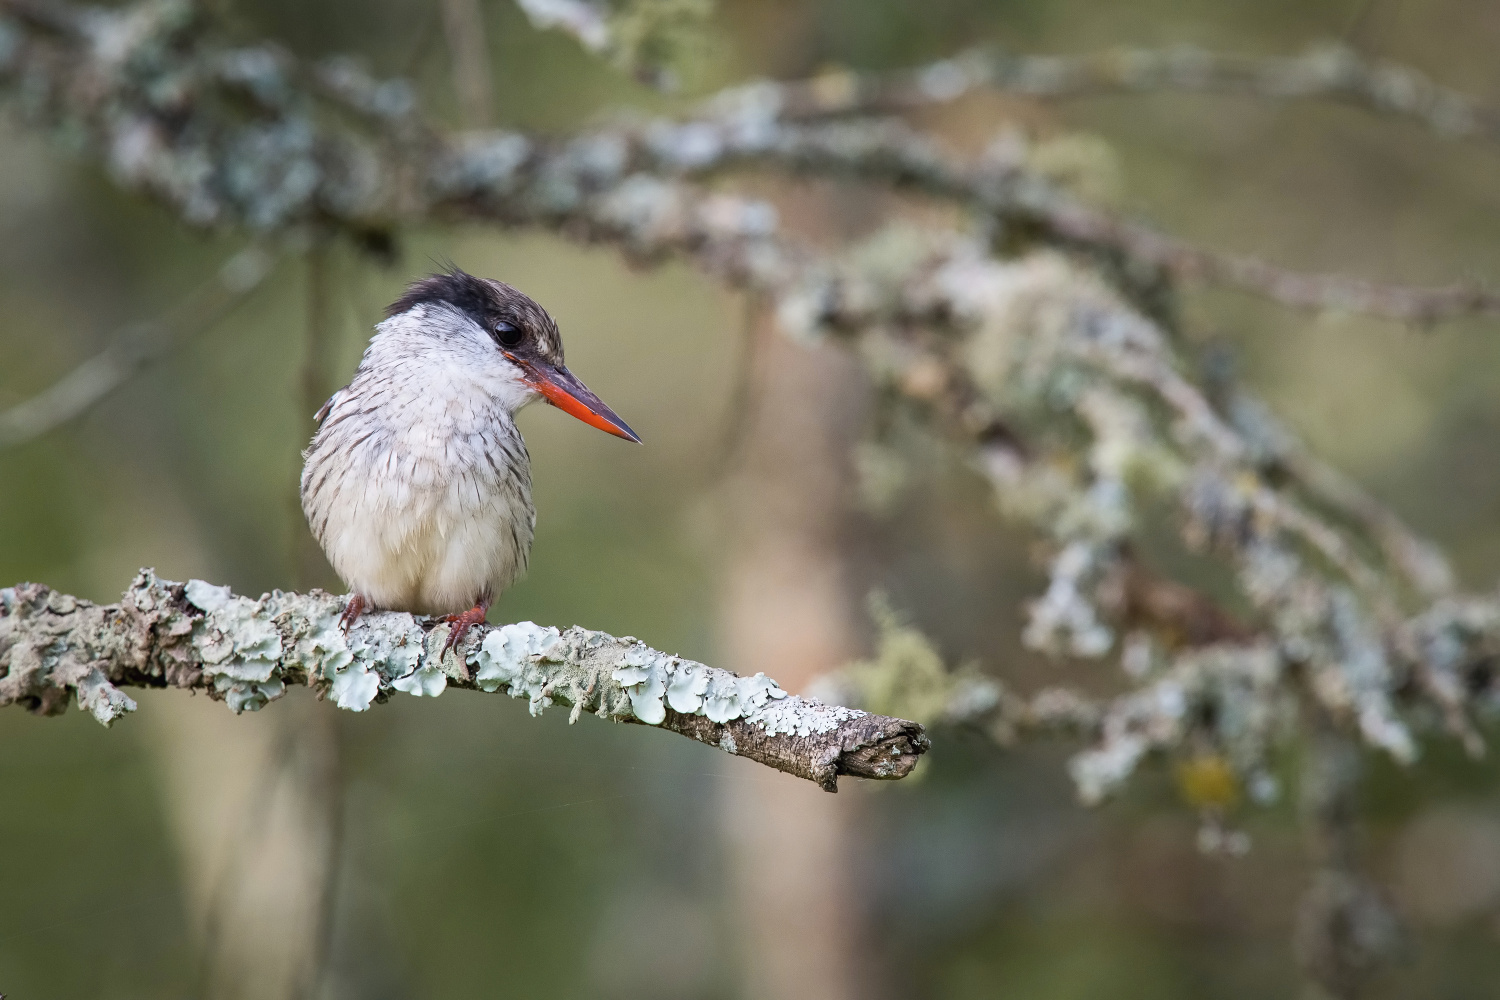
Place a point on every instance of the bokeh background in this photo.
(481, 852)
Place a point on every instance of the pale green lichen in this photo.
(250, 697)
(730, 697)
(624, 678)
(101, 699)
(907, 677)
(783, 716)
(386, 648)
(686, 689)
(424, 682)
(644, 681)
(318, 645)
(355, 687)
(239, 644)
(234, 637)
(510, 657)
(245, 645)
(246, 652)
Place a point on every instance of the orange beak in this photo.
(564, 391)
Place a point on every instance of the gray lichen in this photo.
(626, 679)
(245, 652)
(1088, 419)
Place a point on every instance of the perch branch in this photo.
(245, 652)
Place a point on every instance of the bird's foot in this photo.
(352, 611)
(459, 625)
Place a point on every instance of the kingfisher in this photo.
(417, 483)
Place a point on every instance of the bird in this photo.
(417, 483)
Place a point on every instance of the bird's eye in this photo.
(508, 334)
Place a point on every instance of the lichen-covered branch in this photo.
(1000, 188)
(237, 139)
(55, 648)
(1296, 289)
(1080, 413)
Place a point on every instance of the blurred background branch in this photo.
(292, 172)
(463, 24)
(133, 347)
(1328, 72)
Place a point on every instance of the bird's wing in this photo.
(323, 410)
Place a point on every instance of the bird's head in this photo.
(514, 338)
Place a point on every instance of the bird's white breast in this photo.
(417, 484)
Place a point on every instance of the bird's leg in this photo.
(460, 623)
(352, 611)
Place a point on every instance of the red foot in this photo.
(352, 611)
(460, 624)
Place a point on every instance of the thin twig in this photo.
(132, 348)
(1422, 562)
(746, 391)
(469, 58)
(893, 153)
(1331, 72)
(1413, 304)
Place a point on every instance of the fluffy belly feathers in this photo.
(413, 531)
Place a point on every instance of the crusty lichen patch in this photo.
(625, 678)
(247, 651)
